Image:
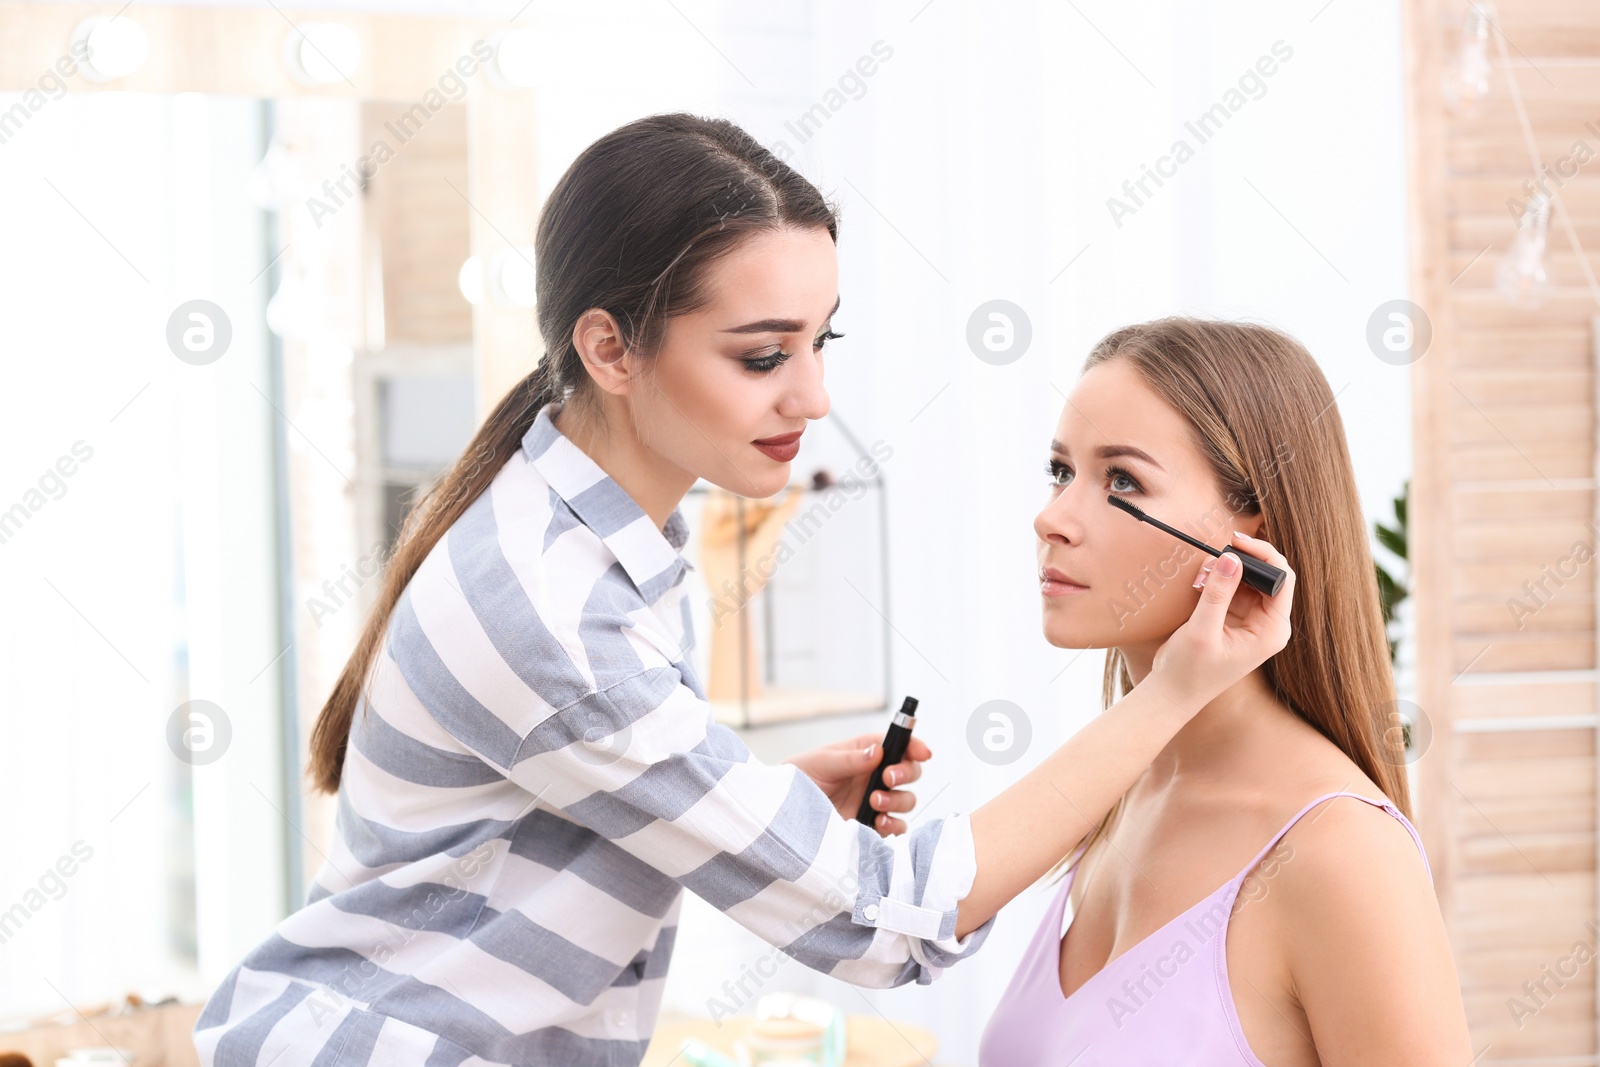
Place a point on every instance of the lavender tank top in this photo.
(1164, 1001)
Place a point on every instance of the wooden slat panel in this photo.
(1535, 345)
(1534, 698)
(1473, 271)
(1487, 196)
(1509, 910)
(1479, 309)
(1471, 233)
(1544, 539)
(1569, 853)
(1535, 505)
(1476, 419)
(1502, 153)
(1482, 619)
(1525, 744)
(1503, 461)
(1524, 652)
(1550, 776)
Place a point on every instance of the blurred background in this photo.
(265, 268)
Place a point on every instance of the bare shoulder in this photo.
(1347, 845)
(1362, 938)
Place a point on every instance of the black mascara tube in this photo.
(895, 741)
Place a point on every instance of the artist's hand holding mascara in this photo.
(1233, 630)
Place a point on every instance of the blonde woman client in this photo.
(1258, 897)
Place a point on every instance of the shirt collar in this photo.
(652, 557)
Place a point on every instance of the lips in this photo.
(782, 448)
(1053, 582)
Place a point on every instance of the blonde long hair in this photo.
(1264, 416)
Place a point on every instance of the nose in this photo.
(806, 398)
(1058, 521)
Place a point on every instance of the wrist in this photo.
(1168, 698)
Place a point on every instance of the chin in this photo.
(1059, 635)
(758, 485)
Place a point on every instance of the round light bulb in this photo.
(512, 278)
(470, 279)
(116, 46)
(516, 62)
(322, 53)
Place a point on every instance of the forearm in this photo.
(1022, 832)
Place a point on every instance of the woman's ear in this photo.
(598, 338)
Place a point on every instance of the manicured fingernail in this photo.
(1228, 564)
(1200, 580)
(871, 750)
(890, 777)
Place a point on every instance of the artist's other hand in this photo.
(841, 770)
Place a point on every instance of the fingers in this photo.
(1276, 606)
(900, 800)
(901, 773)
(889, 826)
(1260, 549)
(1217, 593)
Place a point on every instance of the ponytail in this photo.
(496, 441)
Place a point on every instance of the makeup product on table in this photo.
(1257, 575)
(895, 740)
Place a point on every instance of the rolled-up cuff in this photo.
(922, 901)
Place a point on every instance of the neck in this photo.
(1211, 744)
(655, 484)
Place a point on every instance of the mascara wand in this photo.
(1260, 576)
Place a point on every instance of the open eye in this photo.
(1058, 470)
(1117, 472)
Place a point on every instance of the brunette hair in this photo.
(632, 228)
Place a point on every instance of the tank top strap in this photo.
(1384, 804)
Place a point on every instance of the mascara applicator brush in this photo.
(1260, 576)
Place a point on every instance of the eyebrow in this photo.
(1113, 451)
(781, 325)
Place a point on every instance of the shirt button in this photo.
(620, 1018)
(870, 911)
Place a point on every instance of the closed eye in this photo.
(771, 362)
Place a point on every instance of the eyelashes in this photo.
(768, 364)
(1055, 469)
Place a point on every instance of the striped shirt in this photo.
(532, 780)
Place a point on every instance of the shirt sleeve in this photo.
(644, 763)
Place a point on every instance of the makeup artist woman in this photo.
(527, 772)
